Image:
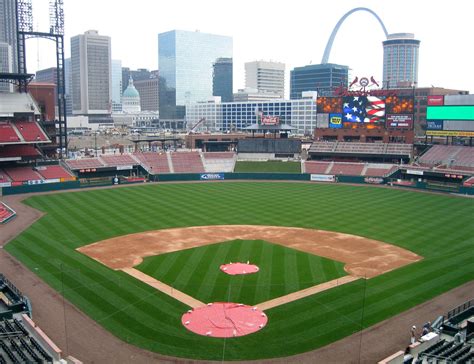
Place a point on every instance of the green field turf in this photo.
(437, 227)
(267, 167)
(281, 271)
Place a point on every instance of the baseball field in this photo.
(437, 230)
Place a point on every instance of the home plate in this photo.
(224, 319)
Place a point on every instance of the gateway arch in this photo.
(327, 50)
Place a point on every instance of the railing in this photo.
(461, 308)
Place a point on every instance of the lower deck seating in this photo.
(22, 174)
(84, 163)
(350, 169)
(316, 167)
(53, 172)
(187, 162)
(154, 162)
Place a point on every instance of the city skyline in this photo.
(282, 34)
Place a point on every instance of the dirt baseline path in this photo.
(363, 257)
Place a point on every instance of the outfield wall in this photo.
(193, 177)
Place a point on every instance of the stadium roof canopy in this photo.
(17, 103)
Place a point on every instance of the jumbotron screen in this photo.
(399, 105)
(369, 112)
(328, 105)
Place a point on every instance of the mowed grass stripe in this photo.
(437, 227)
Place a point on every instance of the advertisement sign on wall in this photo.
(322, 178)
(335, 121)
(450, 133)
(434, 124)
(270, 120)
(212, 176)
(435, 100)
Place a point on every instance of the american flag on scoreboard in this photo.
(363, 109)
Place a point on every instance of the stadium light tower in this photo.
(56, 34)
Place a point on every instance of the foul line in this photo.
(170, 291)
(305, 292)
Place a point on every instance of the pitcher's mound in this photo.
(224, 319)
(239, 268)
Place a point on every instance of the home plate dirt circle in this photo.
(224, 319)
(239, 268)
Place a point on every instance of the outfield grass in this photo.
(437, 227)
(282, 271)
(267, 167)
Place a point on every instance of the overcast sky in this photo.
(295, 34)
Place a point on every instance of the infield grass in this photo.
(438, 227)
(282, 271)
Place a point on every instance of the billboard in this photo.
(270, 120)
(435, 100)
(399, 121)
(322, 178)
(434, 124)
(461, 112)
(450, 133)
(327, 105)
(399, 104)
(363, 109)
(335, 121)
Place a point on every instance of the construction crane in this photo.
(196, 125)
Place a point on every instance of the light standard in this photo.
(95, 143)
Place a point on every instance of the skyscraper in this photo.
(185, 63)
(6, 61)
(265, 76)
(400, 60)
(222, 79)
(8, 29)
(149, 92)
(91, 70)
(323, 78)
(117, 85)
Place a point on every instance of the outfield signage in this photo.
(450, 133)
(415, 171)
(335, 121)
(42, 181)
(400, 121)
(121, 168)
(434, 124)
(322, 178)
(455, 112)
(212, 176)
(435, 100)
(374, 180)
(5, 184)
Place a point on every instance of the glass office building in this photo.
(222, 79)
(323, 78)
(230, 116)
(186, 68)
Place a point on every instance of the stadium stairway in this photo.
(329, 167)
(170, 162)
(364, 171)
